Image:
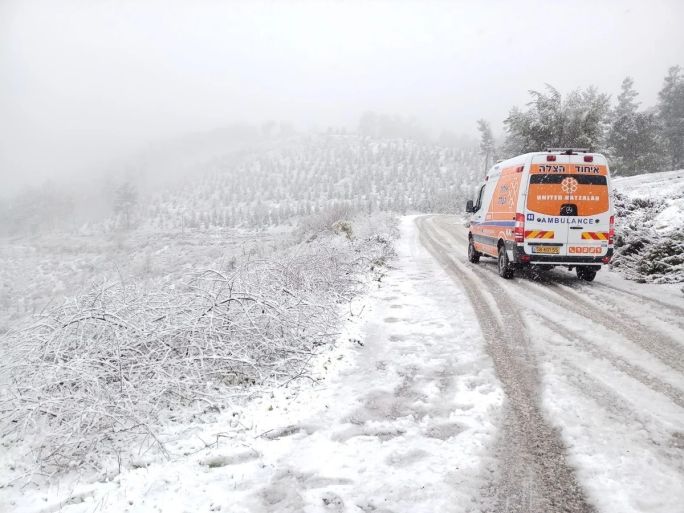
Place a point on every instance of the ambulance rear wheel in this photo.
(506, 270)
(473, 254)
(585, 274)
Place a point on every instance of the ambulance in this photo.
(549, 208)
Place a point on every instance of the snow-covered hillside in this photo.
(316, 173)
(256, 187)
(650, 227)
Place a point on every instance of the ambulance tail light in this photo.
(519, 229)
(611, 230)
(588, 158)
(605, 259)
(550, 158)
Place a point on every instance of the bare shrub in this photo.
(96, 375)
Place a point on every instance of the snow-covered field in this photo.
(401, 421)
(407, 410)
(41, 271)
(435, 399)
(102, 377)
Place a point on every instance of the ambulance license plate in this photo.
(547, 250)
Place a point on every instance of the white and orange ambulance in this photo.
(550, 208)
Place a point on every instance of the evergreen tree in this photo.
(487, 148)
(125, 201)
(633, 141)
(671, 116)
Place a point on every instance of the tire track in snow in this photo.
(620, 410)
(607, 291)
(598, 292)
(534, 473)
(620, 363)
(660, 345)
(668, 351)
(663, 435)
(661, 304)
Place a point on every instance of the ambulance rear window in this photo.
(558, 178)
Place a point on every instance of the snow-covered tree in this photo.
(671, 115)
(125, 201)
(550, 121)
(633, 139)
(487, 145)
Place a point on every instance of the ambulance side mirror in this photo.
(469, 207)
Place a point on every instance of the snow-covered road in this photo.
(592, 372)
(451, 390)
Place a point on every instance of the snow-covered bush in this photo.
(101, 372)
(647, 249)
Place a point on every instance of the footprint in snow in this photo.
(381, 433)
(332, 502)
(393, 319)
(282, 432)
(399, 459)
(223, 460)
(444, 431)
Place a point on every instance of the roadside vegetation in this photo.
(636, 140)
(93, 379)
(649, 246)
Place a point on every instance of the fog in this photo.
(85, 83)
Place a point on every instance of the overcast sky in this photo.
(84, 81)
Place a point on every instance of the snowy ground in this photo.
(610, 365)
(649, 245)
(667, 186)
(450, 390)
(401, 422)
(38, 272)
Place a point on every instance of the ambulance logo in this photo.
(569, 185)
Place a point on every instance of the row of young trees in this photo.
(636, 140)
(275, 185)
(314, 174)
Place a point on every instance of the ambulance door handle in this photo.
(576, 228)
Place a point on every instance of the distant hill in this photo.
(202, 183)
(316, 173)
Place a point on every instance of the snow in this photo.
(620, 433)
(408, 392)
(405, 410)
(612, 375)
(648, 184)
(667, 186)
(670, 219)
(606, 392)
(649, 244)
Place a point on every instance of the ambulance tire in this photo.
(506, 270)
(473, 254)
(585, 274)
